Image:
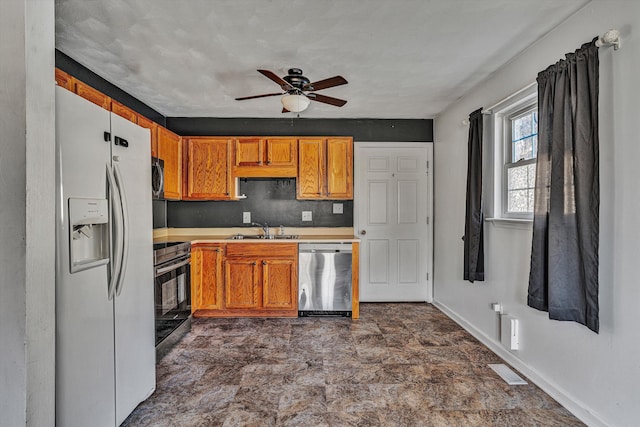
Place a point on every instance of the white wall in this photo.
(596, 376)
(27, 254)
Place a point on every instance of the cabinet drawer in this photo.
(262, 249)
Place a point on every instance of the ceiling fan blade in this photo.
(326, 99)
(258, 96)
(272, 76)
(327, 83)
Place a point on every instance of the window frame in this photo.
(516, 104)
(508, 163)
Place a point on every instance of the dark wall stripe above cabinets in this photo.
(82, 73)
(401, 130)
(269, 200)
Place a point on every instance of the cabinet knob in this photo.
(255, 263)
(264, 262)
(363, 232)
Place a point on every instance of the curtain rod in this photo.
(610, 38)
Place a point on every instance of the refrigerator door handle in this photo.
(125, 229)
(116, 233)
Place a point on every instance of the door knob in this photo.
(363, 232)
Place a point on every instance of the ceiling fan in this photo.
(298, 90)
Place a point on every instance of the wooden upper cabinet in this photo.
(265, 157)
(208, 174)
(91, 94)
(249, 152)
(339, 169)
(170, 150)
(64, 80)
(311, 168)
(281, 152)
(153, 127)
(206, 276)
(124, 111)
(325, 168)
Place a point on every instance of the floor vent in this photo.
(507, 374)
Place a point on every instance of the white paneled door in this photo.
(393, 205)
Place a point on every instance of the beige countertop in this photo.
(223, 235)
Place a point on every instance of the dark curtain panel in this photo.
(473, 227)
(564, 257)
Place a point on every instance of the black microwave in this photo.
(157, 178)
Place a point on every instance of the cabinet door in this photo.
(249, 152)
(206, 277)
(279, 284)
(281, 151)
(170, 150)
(124, 111)
(64, 80)
(208, 172)
(241, 284)
(93, 95)
(339, 169)
(311, 164)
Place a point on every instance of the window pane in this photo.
(531, 171)
(520, 188)
(530, 200)
(518, 201)
(517, 177)
(524, 136)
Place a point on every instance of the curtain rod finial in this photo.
(611, 37)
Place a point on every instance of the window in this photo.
(520, 166)
(514, 128)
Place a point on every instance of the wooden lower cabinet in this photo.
(241, 284)
(251, 280)
(206, 276)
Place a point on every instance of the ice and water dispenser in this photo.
(89, 233)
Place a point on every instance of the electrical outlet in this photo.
(337, 208)
(306, 216)
(246, 217)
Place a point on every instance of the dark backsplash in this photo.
(269, 200)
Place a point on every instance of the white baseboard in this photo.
(577, 409)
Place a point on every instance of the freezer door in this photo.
(84, 315)
(133, 304)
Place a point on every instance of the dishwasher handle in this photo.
(324, 247)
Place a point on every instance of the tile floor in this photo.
(398, 365)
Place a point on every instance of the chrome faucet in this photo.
(265, 228)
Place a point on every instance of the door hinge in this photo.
(427, 220)
(427, 172)
(427, 276)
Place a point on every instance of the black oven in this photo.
(172, 264)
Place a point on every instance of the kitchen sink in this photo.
(263, 237)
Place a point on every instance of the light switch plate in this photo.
(306, 216)
(337, 208)
(246, 217)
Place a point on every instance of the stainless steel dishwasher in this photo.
(324, 279)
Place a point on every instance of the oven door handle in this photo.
(163, 270)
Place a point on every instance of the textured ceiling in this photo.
(402, 58)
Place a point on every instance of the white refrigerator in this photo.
(105, 348)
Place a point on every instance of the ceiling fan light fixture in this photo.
(295, 102)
